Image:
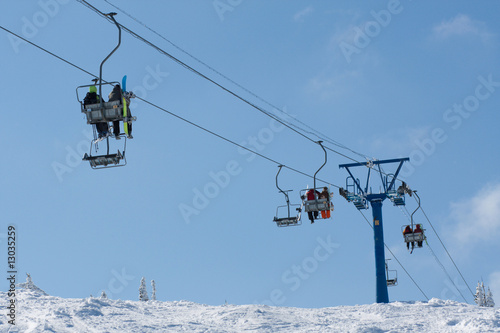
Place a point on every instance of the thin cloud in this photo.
(461, 26)
(401, 141)
(477, 219)
(330, 84)
(333, 81)
(299, 16)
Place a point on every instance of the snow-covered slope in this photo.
(43, 313)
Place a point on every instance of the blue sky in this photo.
(387, 79)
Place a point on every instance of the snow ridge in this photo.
(40, 312)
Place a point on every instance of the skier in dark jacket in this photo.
(93, 98)
(116, 95)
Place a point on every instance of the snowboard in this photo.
(124, 101)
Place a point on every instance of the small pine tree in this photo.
(153, 290)
(489, 299)
(143, 293)
(29, 281)
(103, 294)
(479, 296)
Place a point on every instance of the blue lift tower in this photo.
(361, 196)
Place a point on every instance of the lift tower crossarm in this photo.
(374, 162)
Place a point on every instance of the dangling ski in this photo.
(99, 139)
(124, 90)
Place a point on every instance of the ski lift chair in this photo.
(105, 112)
(287, 220)
(392, 276)
(107, 160)
(397, 196)
(102, 112)
(360, 203)
(392, 282)
(104, 161)
(353, 194)
(315, 205)
(419, 236)
(414, 237)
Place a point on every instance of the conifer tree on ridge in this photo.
(143, 293)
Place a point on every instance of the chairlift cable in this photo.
(232, 142)
(448, 253)
(445, 271)
(45, 50)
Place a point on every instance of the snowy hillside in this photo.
(37, 312)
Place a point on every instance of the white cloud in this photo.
(461, 25)
(478, 218)
(400, 141)
(299, 16)
(336, 80)
(328, 85)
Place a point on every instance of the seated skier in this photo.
(408, 231)
(416, 231)
(312, 194)
(93, 98)
(325, 214)
(116, 95)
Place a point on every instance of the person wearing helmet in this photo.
(93, 98)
